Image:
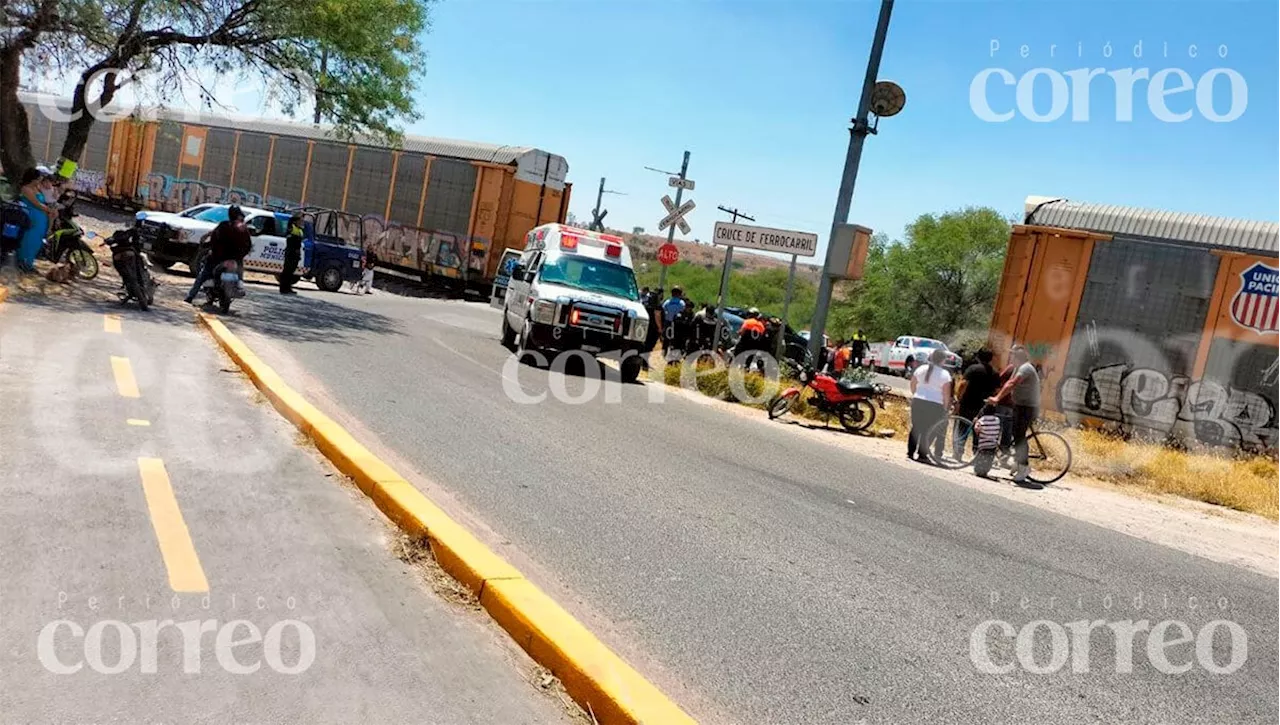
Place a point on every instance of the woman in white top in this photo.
(930, 401)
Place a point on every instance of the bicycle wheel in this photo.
(1048, 456)
(954, 437)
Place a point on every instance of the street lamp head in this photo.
(887, 99)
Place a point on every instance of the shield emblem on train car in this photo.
(1255, 305)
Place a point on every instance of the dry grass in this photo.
(417, 553)
(1243, 483)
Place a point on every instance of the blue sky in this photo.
(761, 93)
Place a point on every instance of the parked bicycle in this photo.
(1048, 453)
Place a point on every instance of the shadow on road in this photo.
(306, 317)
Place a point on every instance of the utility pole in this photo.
(671, 231)
(724, 277)
(857, 135)
(598, 214)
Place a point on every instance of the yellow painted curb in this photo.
(600, 681)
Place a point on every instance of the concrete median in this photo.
(604, 685)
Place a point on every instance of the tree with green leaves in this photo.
(941, 279)
(355, 59)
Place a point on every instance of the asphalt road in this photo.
(759, 577)
(144, 482)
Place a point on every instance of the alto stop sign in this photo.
(668, 254)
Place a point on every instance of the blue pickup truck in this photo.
(177, 238)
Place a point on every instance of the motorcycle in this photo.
(66, 241)
(130, 260)
(223, 286)
(854, 404)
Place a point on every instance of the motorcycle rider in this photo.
(228, 242)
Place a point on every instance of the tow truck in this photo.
(573, 289)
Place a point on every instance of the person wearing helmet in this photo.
(229, 241)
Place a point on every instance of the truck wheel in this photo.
(630, 368)
(508, 334)
(329, 279)
(523, 353)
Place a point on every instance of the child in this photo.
(987, 429)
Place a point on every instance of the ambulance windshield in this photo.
(592, 275)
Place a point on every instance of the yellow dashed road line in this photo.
(185, 572)
(138, 422)
(111, 323)
(126, 384)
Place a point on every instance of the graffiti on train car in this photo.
(170, 193)
(428, 250)
(1190, 410)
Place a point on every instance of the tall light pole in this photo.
(857, 135)
(598, 214)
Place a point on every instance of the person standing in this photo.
(671, 330)
(978, 383)
(840, 358)
(292, 254)
(930, 401)
(858, 348)
(1023, 391)
(34, 193)
(365, 285)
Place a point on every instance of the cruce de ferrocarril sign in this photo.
(765, 239)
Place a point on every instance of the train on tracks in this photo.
(440, 209)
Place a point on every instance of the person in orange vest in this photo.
(752, 336)
(840, 361)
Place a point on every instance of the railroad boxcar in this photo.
(1149, 321)
(433, 206)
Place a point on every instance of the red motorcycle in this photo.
(853, 403)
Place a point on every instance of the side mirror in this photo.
(517, 272)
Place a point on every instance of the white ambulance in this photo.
(575, 290)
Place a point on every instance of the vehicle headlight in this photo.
(544, 312)
(639, 329)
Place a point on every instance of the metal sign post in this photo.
(724, 279)
(675, 213)
(786, 306)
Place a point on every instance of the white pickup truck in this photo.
(906, 353)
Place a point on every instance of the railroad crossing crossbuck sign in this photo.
(676, 216)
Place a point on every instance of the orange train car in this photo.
(1159, 323)
(438, 207)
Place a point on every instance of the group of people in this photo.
(682, 325)
(846, 354)
(38, 192)
(685, 326)
(1003, 405)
